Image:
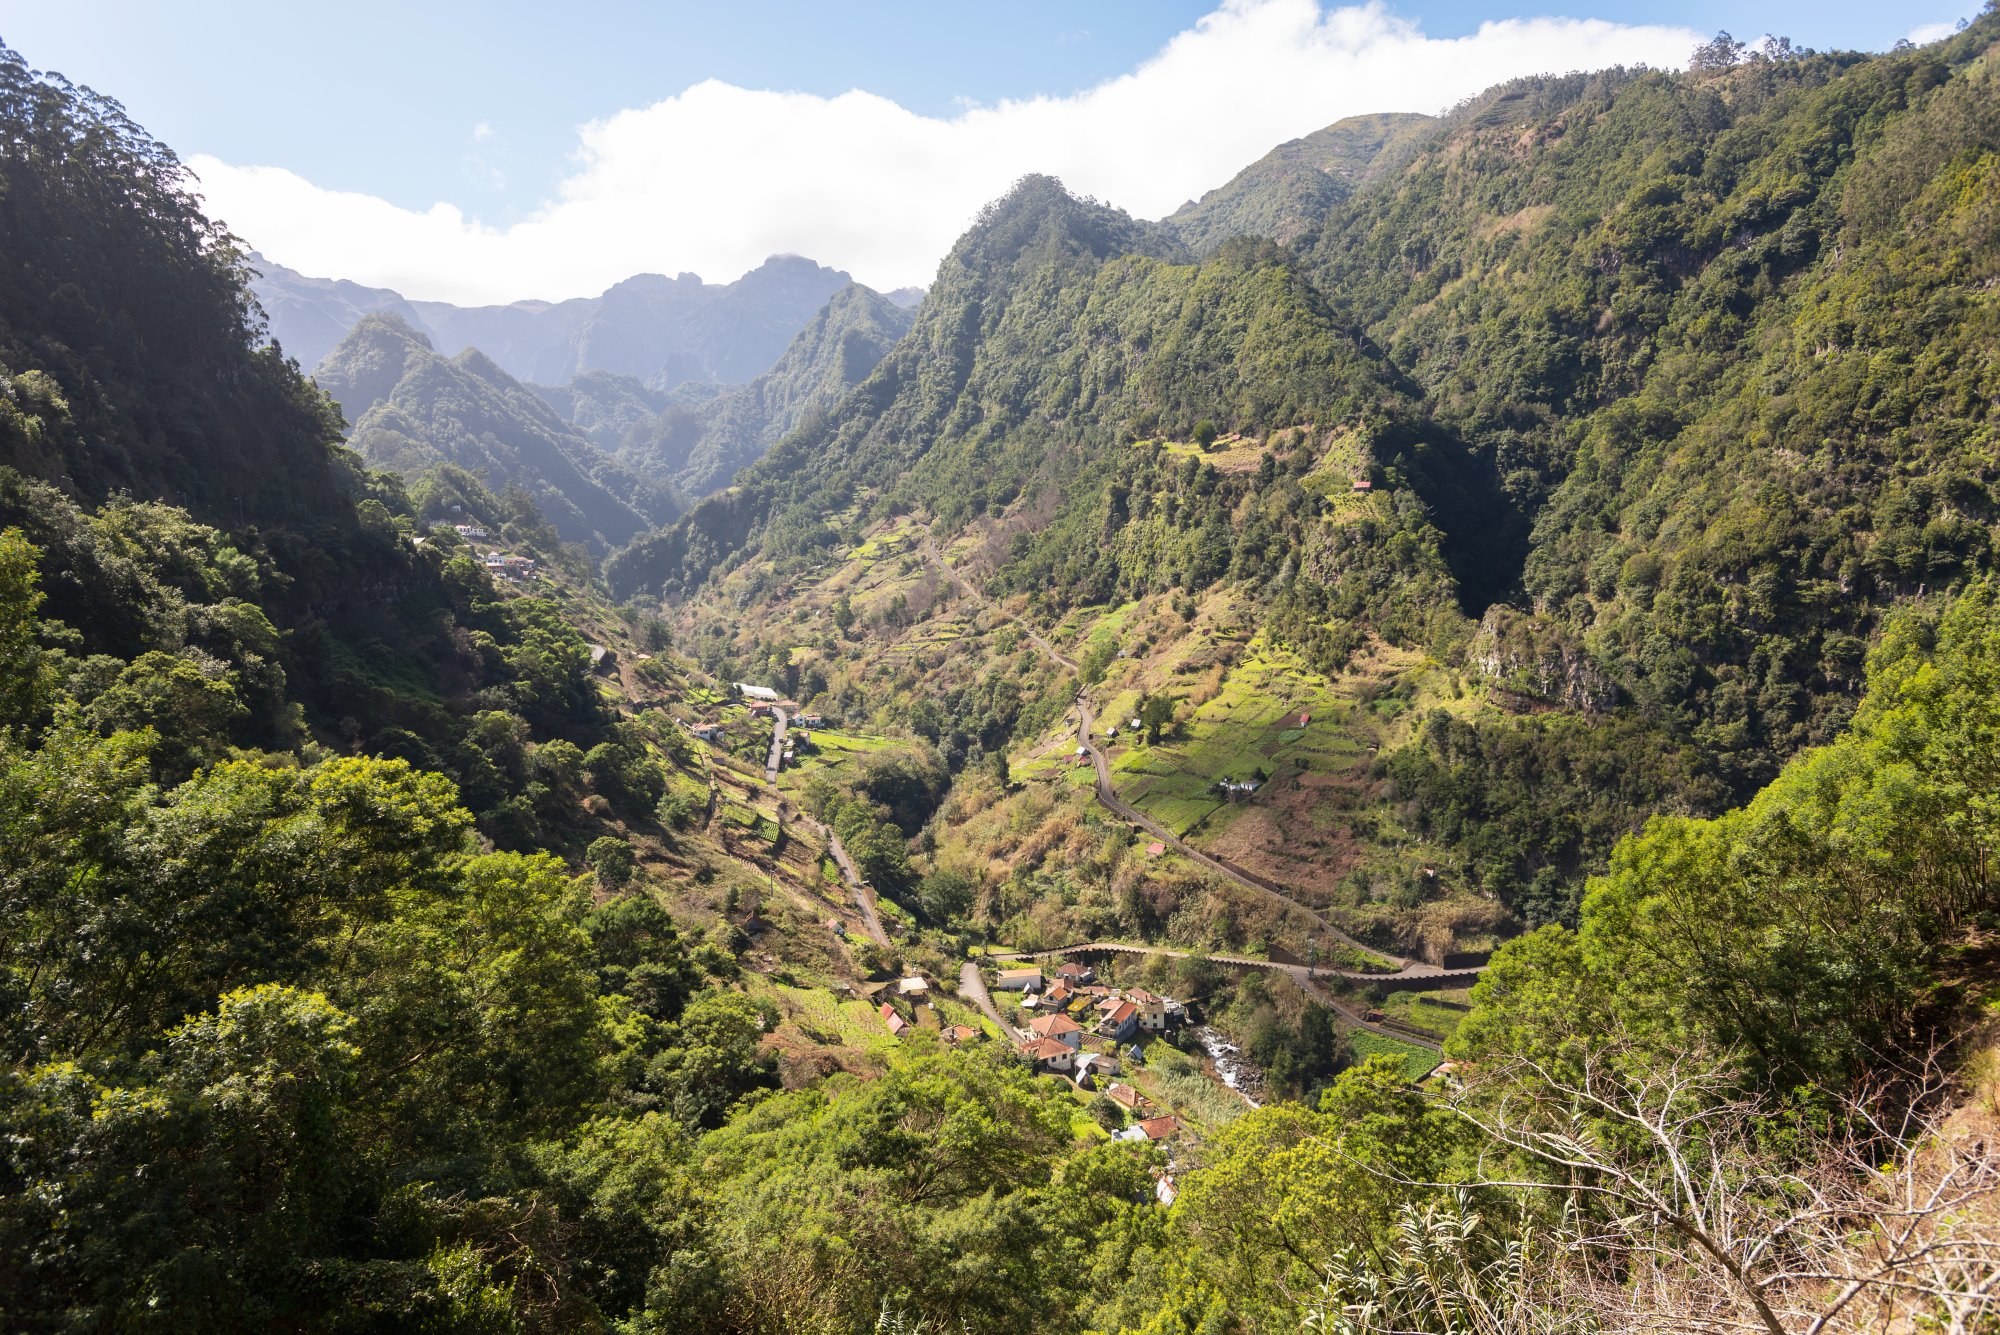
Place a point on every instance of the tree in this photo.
(1718, 53)
(1204, 433)
(611, 858)
(25, 678)
(1694, 1203)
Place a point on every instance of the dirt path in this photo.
(1107, 797)
(864, 893)
(931, 554)
(972, 986)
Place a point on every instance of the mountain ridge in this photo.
(659, 329)
(412, 409)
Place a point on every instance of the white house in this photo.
(1059, 1027)
(1049, 1055)
(1152, 1010)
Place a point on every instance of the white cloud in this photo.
(717, 177)
(1926, 33)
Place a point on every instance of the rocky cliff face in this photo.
(1538, 662)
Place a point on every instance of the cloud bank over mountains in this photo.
(717, 177)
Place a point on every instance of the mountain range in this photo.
(412, 410)
(662, 331)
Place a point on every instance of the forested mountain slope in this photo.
(375, 956)
(1663, 386)
(1727, 339)
(606, 408)
(1057, 329)
(831, 355)
(412, 410)
(1286, 194)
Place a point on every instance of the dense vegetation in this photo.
(1692, 370)
(1287, 193)
(314, 1018)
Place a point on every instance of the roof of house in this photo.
(1020, 973)
(1160, 1128)
(756, 692)
(1124, 1011)
(1048, 1026)
(1073, 970)
(1142, 996)
(959, 1033)
(1044, 1049)
(1125, 1094)
(908, 985)
(897, 1024)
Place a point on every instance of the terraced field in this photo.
(1272, 721)
(1417, 1062)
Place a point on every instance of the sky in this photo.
(493, 152)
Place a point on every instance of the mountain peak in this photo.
(1039, 221)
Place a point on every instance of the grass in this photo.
(1417, 1061)
(853, 1023)
(1235, 735)
(1424, 1008)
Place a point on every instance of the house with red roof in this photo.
(1120, 1022)
(1049, 1055)
(1059, 1027)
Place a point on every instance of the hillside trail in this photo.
(931, 554)
(864, 893)
(1107, 797)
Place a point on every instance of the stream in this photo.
(1231, 1066)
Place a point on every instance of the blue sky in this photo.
(480, 107)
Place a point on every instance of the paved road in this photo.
(864, 893)
(1306, 978)
(777, 756)
(972, 986)
(936, 558)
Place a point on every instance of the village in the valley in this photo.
(1070, 1026)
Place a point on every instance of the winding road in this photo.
(972, 986)
(777, 756)
(1107, 797)
(936, 558)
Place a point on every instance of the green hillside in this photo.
(413, 410)
(1467, 663)
(1286, 194)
